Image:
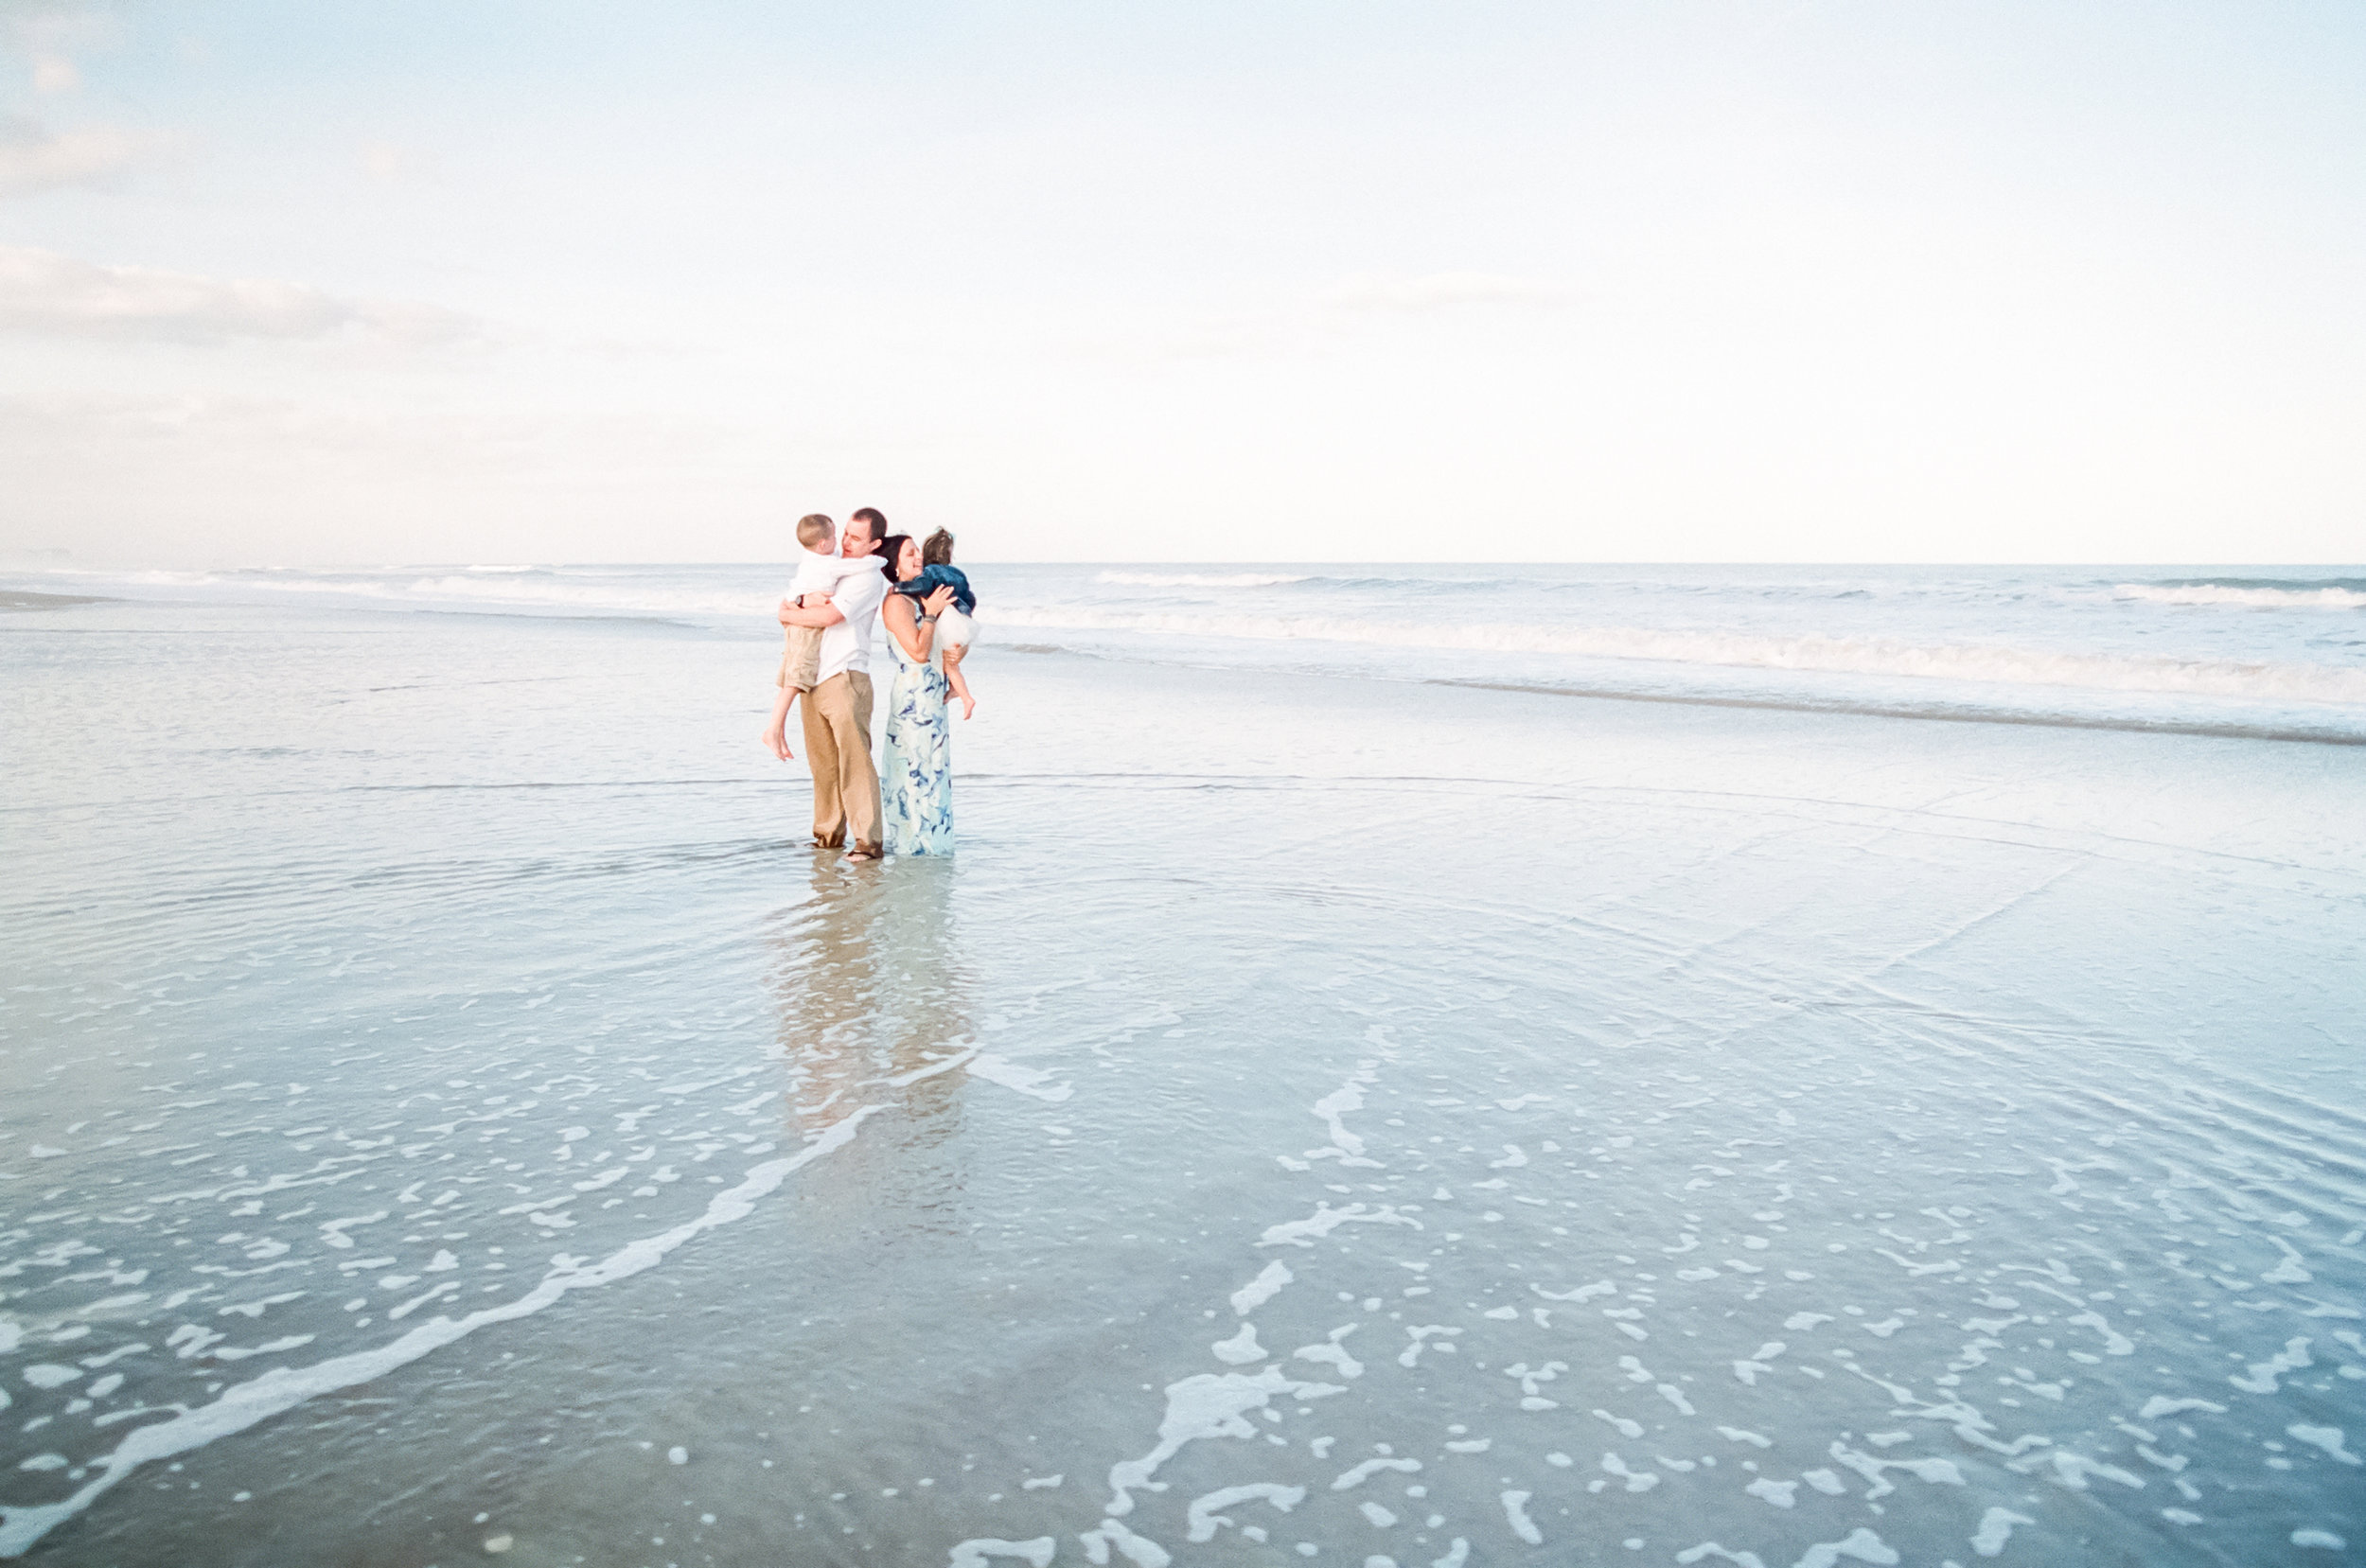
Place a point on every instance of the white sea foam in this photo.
(1861, 1545)
(1138, 1550)
(1996, 1528)
(1370, 1467)
(1208, 1405)
(2242, 597)
(1198, 579)
(591, 597)
(975, 1553)
(283, 1388)
(1261, 1290)
(1026, 1081)
(1204, 1520)
(1303, 1233)
(512, 587)
(2290, 681)
(1241, 1348)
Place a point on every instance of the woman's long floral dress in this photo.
(916, 764)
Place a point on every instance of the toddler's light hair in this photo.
(814, 529)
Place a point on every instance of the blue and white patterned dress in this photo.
(916, 764)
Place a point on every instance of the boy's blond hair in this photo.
(814, 529)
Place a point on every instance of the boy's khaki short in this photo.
(801, 658)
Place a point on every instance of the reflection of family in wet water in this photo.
(846, 581)
(873, 1005)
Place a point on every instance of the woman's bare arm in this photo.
(913, 635)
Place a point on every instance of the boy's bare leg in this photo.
(953, 678)
(776, 732)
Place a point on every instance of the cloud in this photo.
(34, 158)
(37, 19)
(50, 32)
(1434, 291)
(43, 292)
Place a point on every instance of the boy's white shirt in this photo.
(821, 574)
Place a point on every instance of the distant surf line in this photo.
(1943, 715)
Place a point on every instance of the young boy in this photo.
(819, 573)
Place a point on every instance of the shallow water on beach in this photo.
(444, 1116)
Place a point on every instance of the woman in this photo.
(916, 764)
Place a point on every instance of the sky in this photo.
(517, 280)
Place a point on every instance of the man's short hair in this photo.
(874, 522)
(814, 529)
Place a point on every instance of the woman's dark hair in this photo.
(937, 550)
(891, 551)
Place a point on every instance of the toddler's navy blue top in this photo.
(934, 577)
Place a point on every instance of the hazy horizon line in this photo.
(71, 567)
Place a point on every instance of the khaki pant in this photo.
(838, 749)
(800, 658)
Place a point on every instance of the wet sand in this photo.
(1311, 1120)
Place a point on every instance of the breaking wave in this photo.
(2344, 594)
(1199, 579)
(502, 588)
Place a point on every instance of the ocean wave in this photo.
(2246, 596)
(1199, 579)
(521, 588)
(580, 597)
(2012, 666)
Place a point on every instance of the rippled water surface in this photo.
(444, 1114)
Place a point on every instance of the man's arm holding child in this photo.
(819, 613)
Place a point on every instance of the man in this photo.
(838, 709)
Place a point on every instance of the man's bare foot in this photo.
(863, 852)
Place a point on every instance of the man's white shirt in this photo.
(847, 646)
(821, 572)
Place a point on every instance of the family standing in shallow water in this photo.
(845, 581)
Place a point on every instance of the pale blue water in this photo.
(437, 1091)
(2251, 649)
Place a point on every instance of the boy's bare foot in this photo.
(776, 741)
(969, 706)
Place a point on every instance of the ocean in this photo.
(1409, 1065)
(2277, 652)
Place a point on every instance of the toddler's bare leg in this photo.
(776, 730)
(953, 678)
